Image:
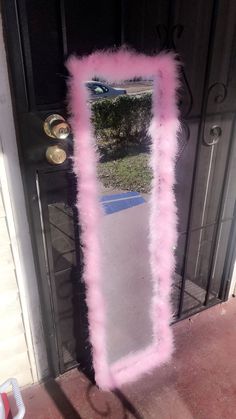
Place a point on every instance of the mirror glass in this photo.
(121, 117)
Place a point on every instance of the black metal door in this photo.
(40, 34)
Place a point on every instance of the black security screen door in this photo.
(40, 34)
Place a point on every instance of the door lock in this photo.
(55, 155)
(55, 126)
(215, 134)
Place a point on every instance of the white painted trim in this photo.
(232, 290)
(15, 252)
(13, 196)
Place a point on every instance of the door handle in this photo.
(55, 126)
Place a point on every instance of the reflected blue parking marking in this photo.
(119, 202)
(119, 196)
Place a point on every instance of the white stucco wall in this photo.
(22, 347)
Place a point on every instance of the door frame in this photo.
(18, 226)
(19, 91)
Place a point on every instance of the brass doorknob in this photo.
(55, 126)
(55, 155)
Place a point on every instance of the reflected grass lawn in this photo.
(131, 173)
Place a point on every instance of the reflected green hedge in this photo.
(121, 125)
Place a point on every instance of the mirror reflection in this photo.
(121, 117)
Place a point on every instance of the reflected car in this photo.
(99, 90)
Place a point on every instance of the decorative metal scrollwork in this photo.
(176, 32)
(221, 96)
(182, 139)
(162, 33)
(168, 41)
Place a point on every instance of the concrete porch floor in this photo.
(199, 382)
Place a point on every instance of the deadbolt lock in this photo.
(55, 126)
(55, 155)
(215, 132)
(215, 135)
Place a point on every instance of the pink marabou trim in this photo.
(118, 66)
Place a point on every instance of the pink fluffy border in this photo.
(118, 66)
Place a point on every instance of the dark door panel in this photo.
(64, 263)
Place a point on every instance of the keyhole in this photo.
(215, 131)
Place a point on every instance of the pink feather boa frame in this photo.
(116, 67)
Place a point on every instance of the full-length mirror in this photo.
(124, 120)
(121, 119)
